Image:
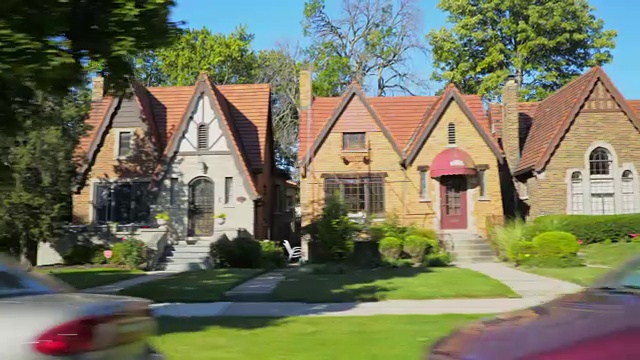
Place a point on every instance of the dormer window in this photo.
(355, 141)
(203, 137)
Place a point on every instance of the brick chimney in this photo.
(305, 89)
(511, 122)
(97, 92)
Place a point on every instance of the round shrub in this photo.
(272, 255)
(130, 252)
(424, 232)
(390, 248)
(521, 252)
(556, 249)
(437, 259)
(241, 252)
(98, 255)
(415, 246)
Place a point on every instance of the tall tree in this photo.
(36, 197)
(544, 43)
(279, 67)
(373, 42)
(46, 43)
(228, 59)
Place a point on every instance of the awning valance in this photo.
(452, 161)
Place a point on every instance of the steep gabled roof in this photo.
(471, 106)
(555, 114)
(206, 88)
(353, 91)
(168, 104)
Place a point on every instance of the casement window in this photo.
(364, 194)
(577, 193)
(482, 183)
(602, 182)
(228, 190)
(355, 141)
(424, 185)
(124, 203)
(125, 144)
(203, 137)
(628, 193)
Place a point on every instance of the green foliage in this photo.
(163, 216)
(333, 231)
(272, 255)
(46, 43)
(596, 228)
(504, 237)
(556, 244)
(79, 254)
(227, 59)
(423, 232)
(390, 248)
(241, 252)
(371, 41)
(549, 249)
(545, 43)
(521, 252)
(98, 255)
(416, 246)
(130, 252)
(437, 259)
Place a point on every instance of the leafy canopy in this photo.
(545, 43)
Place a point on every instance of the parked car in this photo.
(44, 318)
(600, 322)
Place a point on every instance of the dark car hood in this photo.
(567, 320)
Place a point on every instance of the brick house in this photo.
(429, 160)
(571, 153)
(195, 151)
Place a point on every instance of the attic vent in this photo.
(451, 132)
(203, 137)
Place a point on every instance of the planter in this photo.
(161, 222)
(221, 221)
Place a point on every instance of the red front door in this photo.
(453, 202)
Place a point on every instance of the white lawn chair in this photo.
(294, 253)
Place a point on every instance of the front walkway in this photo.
(523, 283)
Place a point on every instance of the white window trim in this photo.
(426, 196)
(116, 148)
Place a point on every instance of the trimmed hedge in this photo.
(596, 228)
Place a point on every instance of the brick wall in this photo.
(547, 195)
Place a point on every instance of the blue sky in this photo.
(281, 23)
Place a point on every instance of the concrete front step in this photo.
(182, 266)
(187, 255)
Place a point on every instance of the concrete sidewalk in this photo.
(391, 307)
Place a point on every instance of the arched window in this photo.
(602, 188)
(201, 207)
(600, 162)
(203, 137)
(628, 198)
(577, 194)
(451, 133)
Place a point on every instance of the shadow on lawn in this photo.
(333, 293)
(83, 279)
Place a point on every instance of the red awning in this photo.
(452, 161)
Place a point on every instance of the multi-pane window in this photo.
(424, 185)
(577, 194)
(203, 137)
(123, 203)
(228, 190)
(602, 188)
(358, 194)
(125, 139)
(354, 141)
(628, 198)
(451, 133)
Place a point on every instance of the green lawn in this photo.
(610, 255)
(193, 286)
(382, 337)
(389, 283)
(583, 275)
(84, 278)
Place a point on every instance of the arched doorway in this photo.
(201, 207)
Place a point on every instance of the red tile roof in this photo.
(245, 109)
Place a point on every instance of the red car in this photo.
(600, 322)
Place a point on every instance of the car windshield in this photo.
(16, 282)
(625, 277)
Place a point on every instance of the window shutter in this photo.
(203, 137)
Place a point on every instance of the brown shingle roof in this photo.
(401, 114)
(168, 105)
(96, 115)
(554, 115)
